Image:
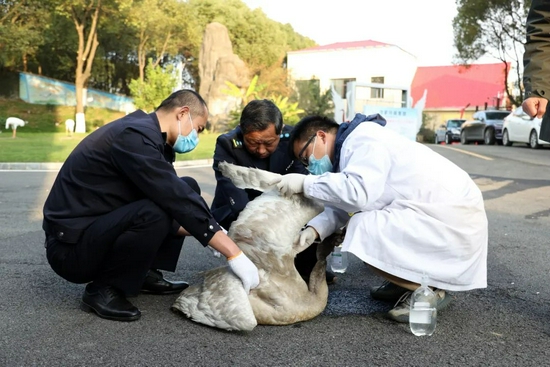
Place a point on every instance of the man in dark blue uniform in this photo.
(260, 141)
(117, 210)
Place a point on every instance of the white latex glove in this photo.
(245, 270)
(290, 184)
(307, 237)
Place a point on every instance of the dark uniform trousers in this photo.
(119, 248)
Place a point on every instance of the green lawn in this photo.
(55, 147)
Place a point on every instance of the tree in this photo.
(160, 33)
(495, 28)
(56, 57)
(290, 110)
(311, 100)
(274, 80)
(157, 85)
(115, 64)
(426, 134)
(86, 16)
(244, 95)
(22, 25)
(256, 39)
(96, 43)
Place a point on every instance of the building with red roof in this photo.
(346, 46)
(457, 91)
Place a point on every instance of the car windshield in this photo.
(497, 115)
(456, 123)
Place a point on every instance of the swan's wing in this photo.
(249, 178)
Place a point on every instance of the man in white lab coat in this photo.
(409, 211)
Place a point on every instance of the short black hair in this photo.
(259, 114)
(308, 126)
(185, 97)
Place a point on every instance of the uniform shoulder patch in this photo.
(237, 143)
(284, 135)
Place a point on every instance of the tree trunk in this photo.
(79, 87)
(163, 50)
(87, 47)
(141, 54)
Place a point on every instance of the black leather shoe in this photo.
(388, 292)
(109, 303)
(156, 284)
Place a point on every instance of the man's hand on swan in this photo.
(245, 269)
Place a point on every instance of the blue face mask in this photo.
(186, 143)
(319, 166)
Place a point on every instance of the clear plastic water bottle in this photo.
(423, 311)
(338, 260)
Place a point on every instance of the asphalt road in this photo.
(507, 324)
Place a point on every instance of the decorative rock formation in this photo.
(218, 64)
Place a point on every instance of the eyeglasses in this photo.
(305, 160)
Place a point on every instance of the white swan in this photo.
(266, 231)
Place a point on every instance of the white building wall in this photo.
(391, 62)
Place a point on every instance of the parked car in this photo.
(485, 126)
(519, 127)
(449, 132)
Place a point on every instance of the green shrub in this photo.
(149, 93)
(425, 134)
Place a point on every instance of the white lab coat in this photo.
(415, 211)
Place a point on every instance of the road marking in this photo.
(487, 184)
(514, 203)
(470, 153)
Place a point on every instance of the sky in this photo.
(424, 28)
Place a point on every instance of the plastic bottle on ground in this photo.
(423, 311)
(338, 260)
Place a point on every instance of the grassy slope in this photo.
(44, 138)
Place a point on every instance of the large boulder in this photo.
(218, 64)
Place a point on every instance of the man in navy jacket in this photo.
(117, 210)
(260, 141)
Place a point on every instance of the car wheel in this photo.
(506, 139)
(463, 139)
(489, 137)
(534, 140)
(448, 139)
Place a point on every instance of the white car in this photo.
(520, 128)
